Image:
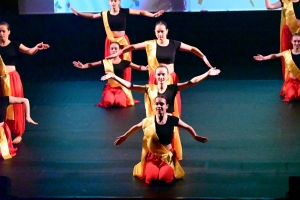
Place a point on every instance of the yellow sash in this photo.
(290, 66)
(151, 143)
(288, 16)
(151, 55)
(6, 88)
(4, 145)
(108, 67)
(121, 40)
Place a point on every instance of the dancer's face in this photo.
(114, 48)
(4, 32)
(161, 75)
(161, 105)
(296, 42)
(161, 31)
(114, 3)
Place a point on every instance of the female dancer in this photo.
(291, 86)
(114, 94)
(114, 22)
(6, 146)
(290, 24)
(163, 51)
(163, 88)
(9, 51)
(158, 160)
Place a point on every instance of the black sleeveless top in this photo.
(119, 68)
(167, 54)
(165, 131)
(10, 53)
(296, 59)
(118, 22)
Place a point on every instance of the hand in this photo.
(107, 76)
(42, 46)
(79, 65)
(259, 57)
(29, 120)
(201, 139)
(74, 11)
(144, 68)
(213, 72)
(159, 13)
(114, 55)
(120, 140)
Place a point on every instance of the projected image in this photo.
(63, 6)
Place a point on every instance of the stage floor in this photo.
(253, 148)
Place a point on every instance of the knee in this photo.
(151, 173)
(166, 174)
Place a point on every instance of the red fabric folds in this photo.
(292, 90)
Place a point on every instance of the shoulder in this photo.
(174, 119)
(173, 86)
(124, 10)
(125, 62)
(4, 99)
(15, 43)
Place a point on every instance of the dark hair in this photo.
(178, 5)
(116, 43)
(6, 24)
(162, 66)
(295, 34)
(163, 23)
(163, 97)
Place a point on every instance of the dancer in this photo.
(158, 160)
(114, 21)
(290, 24)
(9, 51)
(291, 86)
(6, 146)
(163, 51)
(163, 88)
(114, 94)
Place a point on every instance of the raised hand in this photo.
(258, 57)
(78, 64)
(159, 13)
(213, 72)
(74, 11)
(201, 139)
(144, 68)
(107, 76)
(42, 46)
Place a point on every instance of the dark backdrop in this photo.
(228, 39)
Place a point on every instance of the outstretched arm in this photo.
(138, 67)
(33, 50)
(146, 13)
(127, 84)
(196, 51)
(270, 6)
(198, 79)
(259, 57)
(86, 15)
(193, 133)
(129, 48)
(131, 131)
(16, 100)
(79, 65)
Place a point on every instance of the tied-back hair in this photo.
(116, 43)
(163, 23)
(162, 66)
(296, 34)
(163, 97)
(6, 24)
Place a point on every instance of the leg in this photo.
(151, 172)
(166, 173)
(291, 93)
(120, 98)
(108, 99)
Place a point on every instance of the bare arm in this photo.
(259, 57)
(131, 131)
(138, 67)
(270, 6)
(25, 102)
(33, 50)
(129, 48)
(193, 133)
(87, 15)
(146, 13)
(196, 51)
(79, 65)
(194, 81)
(127, 84)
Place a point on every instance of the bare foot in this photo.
(17, 140)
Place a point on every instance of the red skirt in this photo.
(12, 150)
(127, 71)
(285, 44)
(17, 125)
(292, 90)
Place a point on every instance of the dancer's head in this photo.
(161, 30)
(114, 48)
(114, 4)
(161, 104)
(161, 74)
(296, 40)
(4, 30)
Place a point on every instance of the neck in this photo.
(4, 42)
(161, 118)
(296, 50)
(115, 10)
(162, 41)
(162, 86)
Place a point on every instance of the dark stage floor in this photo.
(253, 148)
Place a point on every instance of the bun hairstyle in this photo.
(162, 66)
(6, 24)
(162, 23)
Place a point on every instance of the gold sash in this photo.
(108, 67)
(288, 17)
(121, 40)
(151, 143)
(4, 145)
(290, 66)
(149, 99)
(151, 55)
(6, 88)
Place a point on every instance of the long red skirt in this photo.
(12, 149)
(127, 71)
(292, 90)
(17, 125)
